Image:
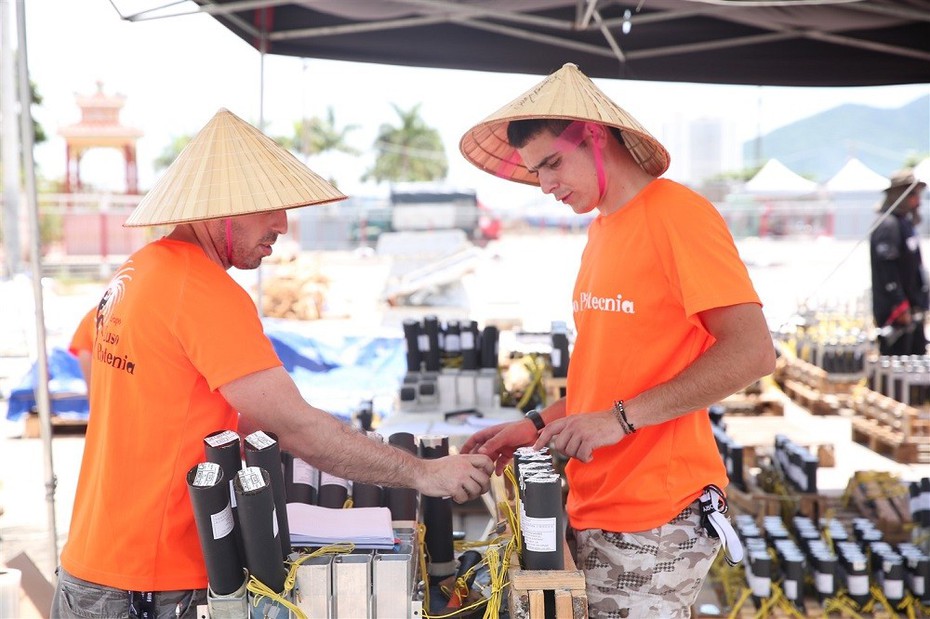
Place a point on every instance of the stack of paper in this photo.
(366, 527)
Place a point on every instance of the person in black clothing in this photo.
(900, 288)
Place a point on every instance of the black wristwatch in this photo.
(537, 419)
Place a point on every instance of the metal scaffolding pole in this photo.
(29, 174)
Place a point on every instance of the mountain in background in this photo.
(818, 146)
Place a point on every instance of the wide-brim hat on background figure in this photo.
(903, 179)
(901, 182)
(566, 94)
(230, 168)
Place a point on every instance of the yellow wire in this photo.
(260, 590)
(734, 612)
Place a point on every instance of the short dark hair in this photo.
(519, 132)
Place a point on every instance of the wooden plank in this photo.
(537, 605)
(32, 428)
(563, 605)
(547, 579)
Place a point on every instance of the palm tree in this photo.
(412, 151)
(313, 136)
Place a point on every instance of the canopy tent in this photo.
(855, 176)
(776, 180)
(783, 42)
(788, 42)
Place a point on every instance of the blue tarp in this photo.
(66, 388)
(334, 372)
(337, 372)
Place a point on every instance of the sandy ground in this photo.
(522, 279)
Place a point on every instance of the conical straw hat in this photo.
(230, 168)
(570, 94)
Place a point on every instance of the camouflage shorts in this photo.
(656, 573)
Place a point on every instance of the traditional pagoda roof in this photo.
(100, 123)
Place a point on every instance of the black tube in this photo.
(260, 536)
(489, 340)
(452, 343)
(209, 496)
(542, 525)
(792, 567)
(469, 341)
(334, 491)
(225, 448)
(412, 338)
(262, 450)
(432, 353)
(437, 517)
(402, 502)
(368, 495)
(301, 480)
(559, 356)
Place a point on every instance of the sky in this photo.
(177, 72)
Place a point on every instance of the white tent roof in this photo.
(774, 179)
(922, 170)
(856, 176)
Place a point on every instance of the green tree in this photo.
(170, 152)
(412, 151)
(38, 133)
(313, 136)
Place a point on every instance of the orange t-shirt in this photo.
(83, 338)
(174, 328)
(646, 273)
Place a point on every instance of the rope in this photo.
(868, 234)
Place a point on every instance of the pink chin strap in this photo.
(229, 241)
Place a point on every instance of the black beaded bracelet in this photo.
(620, 414)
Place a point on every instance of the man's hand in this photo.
(499, 442)
(577, 436)
(463, 477)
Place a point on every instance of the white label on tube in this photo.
(539, 534)
(556, 357)
(468, 340)
(222, 522)
(232, 494)
(824, 583)
(893, 589)
(274, 522)
(858, 585)
(917, 585)
(251, 479)
(259, 440)
(206, 475)
(453, 343)
(423, 342)
(218, 440)
(331, 480)
(791, 589)
(304, 473)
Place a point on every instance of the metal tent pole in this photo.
(41, 388)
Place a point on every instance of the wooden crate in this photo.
(883, 499)
(555, 388)
(891, 428)
(765, 403)
(529, 589)
(32, 428)
(758, 503)
(565, 588)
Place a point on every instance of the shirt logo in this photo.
(588, 302)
